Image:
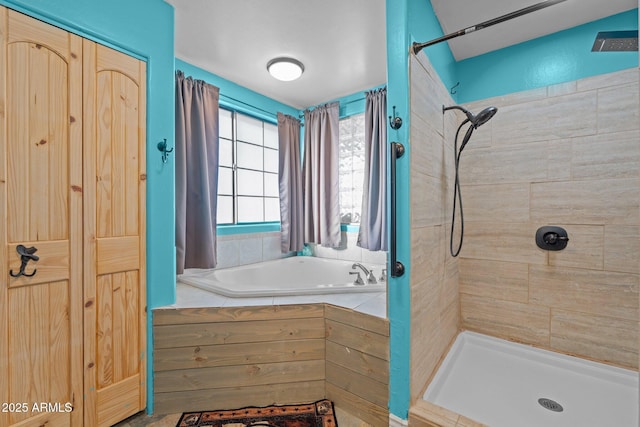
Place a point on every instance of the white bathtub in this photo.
(498, 383)
(287, 276)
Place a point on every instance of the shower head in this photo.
(484, 116)
(478, 120)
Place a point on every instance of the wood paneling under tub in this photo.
(357, 364)
(223, 358)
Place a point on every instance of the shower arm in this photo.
(417, 47)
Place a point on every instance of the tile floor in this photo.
(141, 419)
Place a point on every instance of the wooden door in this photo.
(114, 229)
(41, 207)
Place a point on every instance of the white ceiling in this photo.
(342, 42)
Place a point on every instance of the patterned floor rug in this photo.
(317, 414)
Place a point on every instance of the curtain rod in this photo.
(340, 104)
(417, 47)
(248, 105)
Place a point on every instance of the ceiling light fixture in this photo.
(285, 69)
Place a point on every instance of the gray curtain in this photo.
(320, 170)
(373, 222)
(290, 179)
(196, 156)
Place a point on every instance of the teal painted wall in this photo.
(145, 29)
(398, 291)
(560, 57)
(407, 21)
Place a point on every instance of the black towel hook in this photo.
(394, 121)
(26, 255)
(162, 147)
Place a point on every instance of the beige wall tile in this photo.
(585, 248)
(597, 337)
(618, 78)
(546, 119)
(450, 288)
(427, 200)
(607, 201)
(495, 279)
(587, 291)
(427, 150)
(619, 108)
(502, 241)
(505, 319)
(561, 89)
(435, 312)
(515, 98)
(517, 163)
(439, 90)
(575, 146)
(610, 155)
(425, 102)
(559, 159)
(622, 248)
(427, 253)
(496, 202)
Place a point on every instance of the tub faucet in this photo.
(371, 278)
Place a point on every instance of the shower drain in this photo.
(551, 405)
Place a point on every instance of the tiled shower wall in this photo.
(435, 308)
(566, 155)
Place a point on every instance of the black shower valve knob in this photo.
(552, 238)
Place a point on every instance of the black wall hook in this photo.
(395, 122)
(26, 255)
(162, 147)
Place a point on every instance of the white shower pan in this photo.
(505, 384)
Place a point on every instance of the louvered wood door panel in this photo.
(114, 221)
(40, 206)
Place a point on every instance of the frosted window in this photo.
(226, 152)
(249, 156)
(250, 209)
(271, 160)
(351, 160)
(271, 209)
(225, 124)
(250, 183)
(271, 136)
(225, 210)
(249, 129)
(225, 181)
(271, 185)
